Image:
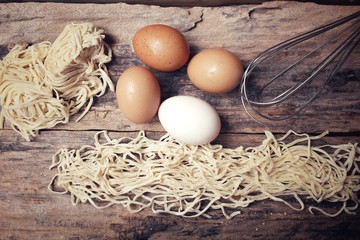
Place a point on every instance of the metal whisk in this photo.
(338, 55)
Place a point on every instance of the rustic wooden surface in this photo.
(188, 3)
(29, 211)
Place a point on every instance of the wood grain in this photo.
(187, 3)
(27, 207)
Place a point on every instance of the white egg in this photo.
(189, 120)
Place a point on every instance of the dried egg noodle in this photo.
(43, 84)
(76, 65)
(184, 180)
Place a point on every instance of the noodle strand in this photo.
(42, 85)
(170, 177)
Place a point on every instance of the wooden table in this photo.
(29, 211)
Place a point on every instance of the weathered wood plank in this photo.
(27, 207)
(246, 30)
(186, 3)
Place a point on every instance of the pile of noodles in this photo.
(170, 177)
(43, 84)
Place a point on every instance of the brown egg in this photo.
(215, 70)
(161, 47)
(138, 94)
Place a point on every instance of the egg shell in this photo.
(215, 70)
(189, 120)
(161, 47)
(138, 94)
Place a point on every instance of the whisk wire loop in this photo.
(342, 52)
